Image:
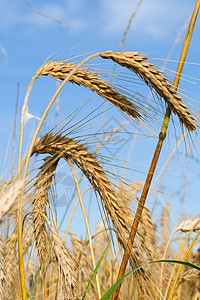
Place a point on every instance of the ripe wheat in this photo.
(138, 64)
(59, 70)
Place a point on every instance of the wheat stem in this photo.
(87, 226)
(20, 205)
(20, 202)
(162, 136)
(164, 168)
(14, 131)
(72, 213)
(193, 244)
(179, 255)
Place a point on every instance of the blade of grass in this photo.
(113, 288)
(35, 279)
(87, 225)
(95, 271)
(194, 242)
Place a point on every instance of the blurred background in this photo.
(37, 31)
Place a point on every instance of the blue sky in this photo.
(27, 39)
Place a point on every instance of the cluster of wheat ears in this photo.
(36, 263)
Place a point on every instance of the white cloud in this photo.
(155, 18)
(19, 13)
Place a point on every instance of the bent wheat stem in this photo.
(20, 204)
(87, 226)
(162, 136)
(72, 213)
(194, 243)
(178, 257)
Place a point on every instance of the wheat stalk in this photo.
(101, 89)
(157, 152)
(87, 226)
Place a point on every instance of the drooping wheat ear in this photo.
(59, 70)
(188, 224)
(43, 185)
(84, 269)
(146, 231)
(78, 154)
(65, 263)
(11, 260)
(165, 224)
(9, 192)
(139, 64)
(86, 161)
(145, 248)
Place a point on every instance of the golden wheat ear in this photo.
(83, 77)
(138, 63)
(40, 199)
(135, 62)
(115, 207)
(79, 155)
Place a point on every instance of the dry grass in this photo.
(66, 269)
(136, 63)
(59, 70)
(40, 200)
(139, 64)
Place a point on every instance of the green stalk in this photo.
(162, 137)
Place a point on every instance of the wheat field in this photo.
(49, 247)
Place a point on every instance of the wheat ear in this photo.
(65, 262)
(9, 192)
(83, 77)
(86, 161)
(41, 198)
(138, 63)
(78, 154)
